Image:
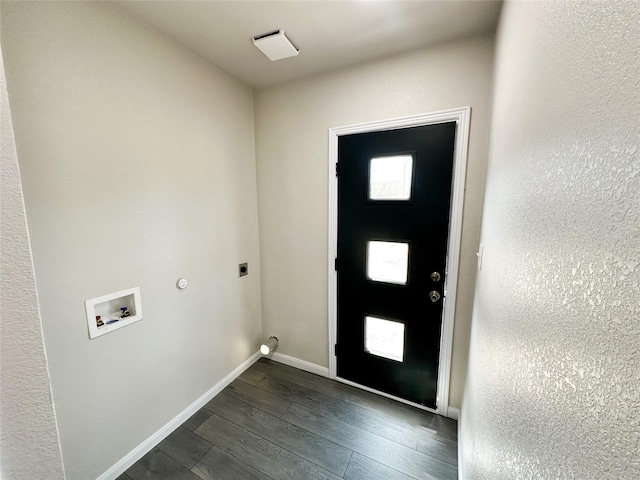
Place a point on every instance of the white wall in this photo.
(29, 443)
(292, 122)
(138, 168)
(553, 387)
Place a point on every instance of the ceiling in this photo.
(329, 34)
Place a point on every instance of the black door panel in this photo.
(423, 223)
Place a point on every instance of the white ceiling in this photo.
(329, 34)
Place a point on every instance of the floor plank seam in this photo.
(168, 454)
(285, 412)
(348, 464)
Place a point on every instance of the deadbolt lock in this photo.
(434, 296)
(435, 276)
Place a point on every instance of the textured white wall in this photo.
(292, 122)
(138, 168)
(29, 444)
(553, 388)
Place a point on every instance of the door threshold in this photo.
(388, 395)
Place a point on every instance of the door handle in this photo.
(434, 296)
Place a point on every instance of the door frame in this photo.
(462, 118)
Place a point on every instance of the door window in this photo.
(388, 262)
(384, 338)
(390, 177)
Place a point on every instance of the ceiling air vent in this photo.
(275, 45)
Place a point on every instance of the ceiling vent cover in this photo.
(275, 45)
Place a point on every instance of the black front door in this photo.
(394, 196)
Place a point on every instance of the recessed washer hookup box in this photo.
(113, 311)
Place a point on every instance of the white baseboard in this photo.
(453, 412)
(301, 364)
(137, 453)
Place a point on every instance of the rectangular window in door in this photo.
(384, 338)
(390, 178)
(388, 262)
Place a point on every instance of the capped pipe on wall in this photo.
(269, 346)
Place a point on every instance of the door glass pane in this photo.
(388, 262)
(390, 178)
(384, 338)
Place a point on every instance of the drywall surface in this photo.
(29, 444)
(553, 386)
(138, 168)
(292, 123)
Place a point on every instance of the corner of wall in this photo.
(30, 445)
(552, 385)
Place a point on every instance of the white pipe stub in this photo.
(269, 346)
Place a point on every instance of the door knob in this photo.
(435, 276)
(434, 296)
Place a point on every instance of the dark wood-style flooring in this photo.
(278, 422)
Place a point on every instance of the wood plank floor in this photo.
(277, 422)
